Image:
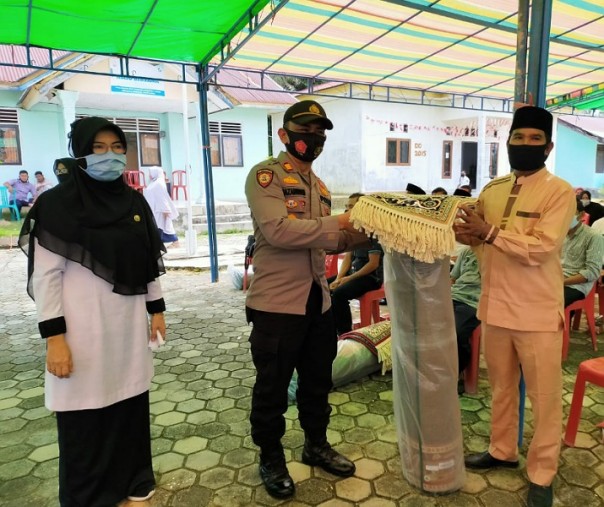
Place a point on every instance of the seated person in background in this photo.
(465, 292)
(593, 209)
(414, 189)
(439, 191)
(22, 189)
(361, 271)
(598, 226)
(41, 184)
(582, 254)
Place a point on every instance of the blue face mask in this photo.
(106, 166)
(574, 222)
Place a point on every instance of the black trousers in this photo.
(105, 454)
(572, 295)
(465, 324)
(281, 342)
(341, 297)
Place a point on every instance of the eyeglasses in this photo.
(101, 149)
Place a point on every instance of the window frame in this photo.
(239, 147)
(215, 150)
(493, 159)
(12, 126)
(143, 162)
(398, 141)
(444, 174)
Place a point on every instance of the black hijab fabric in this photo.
(106, 227)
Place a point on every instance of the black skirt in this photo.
(105, 454)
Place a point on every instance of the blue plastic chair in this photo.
(5, 203)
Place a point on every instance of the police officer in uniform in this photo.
(288, 302)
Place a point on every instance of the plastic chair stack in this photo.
(179, 182)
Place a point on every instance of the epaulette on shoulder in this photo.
(270, 161)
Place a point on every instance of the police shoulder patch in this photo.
(264, 177)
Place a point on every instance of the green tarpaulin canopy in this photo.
(176, 30)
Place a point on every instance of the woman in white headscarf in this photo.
(162, 206)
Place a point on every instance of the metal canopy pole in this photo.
(521, 47)
(541, 20)
(207, 171)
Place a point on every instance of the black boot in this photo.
(320, 453)
(274, 474)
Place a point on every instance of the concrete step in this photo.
(233, 217)
(242, 225)
(222, 208)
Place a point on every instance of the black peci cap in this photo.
(533, 117)
(461, 192)
(414, 189)
(307, 111)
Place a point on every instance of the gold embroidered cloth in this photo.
(418, 225)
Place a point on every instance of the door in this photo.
(469, 159)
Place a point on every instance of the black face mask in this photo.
(304, 146)
(526, 157)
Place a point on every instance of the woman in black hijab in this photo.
(94, 262)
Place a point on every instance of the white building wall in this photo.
(41, 136)
(229, 182)
(354, 158)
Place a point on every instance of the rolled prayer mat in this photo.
(424, 358)
(416, 232)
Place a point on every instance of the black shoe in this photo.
(485, 460)
(540, 496)
(276, 478)
(324, 456)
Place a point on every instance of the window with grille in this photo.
(226, 144)
(10, 145)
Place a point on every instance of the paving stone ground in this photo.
(200, 400)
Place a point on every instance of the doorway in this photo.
(132, 153)
(469, 159)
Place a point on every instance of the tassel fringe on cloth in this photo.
(376, 339)
(418, 225)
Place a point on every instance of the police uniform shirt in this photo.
(293, 228)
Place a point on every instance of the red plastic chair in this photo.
(600, 292)
(591, 371)
(331, 265)
(136, 180)
(179, 181)
(586, 304)
(370, 308)
(470, 375)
